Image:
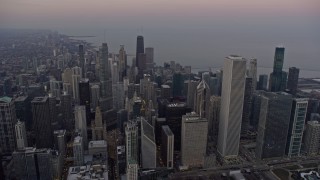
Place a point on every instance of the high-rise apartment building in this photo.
(312, 138)
(7, 121)
(296, 126)
(194, 133)
(278, 78)
(233, 87)
(273, 124)
(21, 135)
(167, 146)
(42, 122)
(293, 78)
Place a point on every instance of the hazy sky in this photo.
(199, 33)
(137, 13)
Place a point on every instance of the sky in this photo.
(199, 33)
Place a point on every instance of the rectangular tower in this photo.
(293, 78)
(233, 86)
(167, 146)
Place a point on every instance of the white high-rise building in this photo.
(131, 132)
(253, 73)
(194, 131)
(167, 146)
(233, 86)
(76, 76)
(132, 171)
(312, 138)
(81, 123)
(21, 135)
(78, 151)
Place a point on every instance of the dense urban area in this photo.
(72, 111)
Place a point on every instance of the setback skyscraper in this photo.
(278, 78)
(233, 87)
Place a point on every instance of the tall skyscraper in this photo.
(248, 92)
(312, 138)
(177, 84)
(78, 151)
(105, 101)
(122, 63)
(81, 123)
(194, 131)
(213, 120)
(293, 78)
(23, 110)
(148, 145)
(140, 49)
(253, 73)
(278, 78)
(167, 146)
(42, 122)
(192, 87)
(95, 95)
(21, 135)
(84, 96)
(296, 126)
(60, 141)
(132, 170)
(233, 87)
(76, 76)
(66, 107)
(202, 98)
(82, 61)
(7, 121)
(263, 82)
(131, 135)
(273, 124)
(149, 58)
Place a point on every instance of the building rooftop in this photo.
(179, 104)
(234, 57)
(5, 99)
(20, 98)
(40, 99)
(98, 144)
(88, 172)
(167, 130)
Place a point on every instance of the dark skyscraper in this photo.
(278, 78)
(41, 122)
(81, 60)
(84, 94)
(248, 92)
(293, 78)
(140, 49)
(177, 84)
(273, 124)
(263, 82)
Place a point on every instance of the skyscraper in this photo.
(293, 78)
(148, 145)
(99, 129)
(167, 146)
(66, 107)
(131, 135)
(7, 121)
(192, 87)
(149, 57)
(21, 135)
(42, 122)
(81, 123)
(312, 138)
(273, 124)
(105, 80)
(194, 131)
(95, 95)
(76, 76)
(84, 96)
(60, 141)
(82, 61)
(177, 84)
(202, 98)
(253, 73)
(296, 126)
(233, 87)
(278, 78)
(263, 82)
(140, 49)
(122, 63)
(247, 105)
(132, 170)
(78, 151)
(213, 119)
